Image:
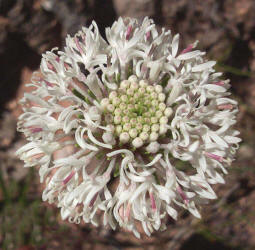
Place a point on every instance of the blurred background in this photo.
(226, 31)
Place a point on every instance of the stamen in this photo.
(148, 35)
(36, 130)
(68, 178)
(182, 194)
(93, 200)
(127, 211)
(220, 83)
(78, 45)
(129, 31)
(214, 156)
(51, 67)
(153, 202)
(188, 49)
(225, 106)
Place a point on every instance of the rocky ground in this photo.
(226, 30)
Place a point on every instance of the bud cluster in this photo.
(138, 111)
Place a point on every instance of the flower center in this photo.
(137, 111)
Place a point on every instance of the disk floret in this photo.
(137, 111)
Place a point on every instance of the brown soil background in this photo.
(226, 30)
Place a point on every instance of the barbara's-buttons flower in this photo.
(108, 120)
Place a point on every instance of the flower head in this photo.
(108, 122)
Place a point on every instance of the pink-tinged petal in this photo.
(57, 59)
(36, 130)
(93, 200)
(127, 211)
(226, 106)
(48, 83)
(51, 67)
(67, 66)
(121, 212)
(188, 49)
(148, 35)
(78, 45)
(129, 31)
(82, 77)
(69, 177)
(144, 68)
(83, 37)
(220, 83)
(153, 202)
(182, 194)
(215, 157)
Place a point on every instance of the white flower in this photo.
(108, 120)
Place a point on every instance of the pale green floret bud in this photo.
(137, 142)
(140, 119)
(117, 111)
(112, 95)
(123, 106)
(127, 126)
(163, 120)
(131, 100)
(154, 95)
(162, 129)
(152, 110)
(139, 126)
(117, 119)
(133, 121)
(154, 119)
(147, 114)
(143, 83)
(154, 103)
(149, 88)
(130, 106)
(146, 95)
(118, 129)
(141, 90)
(153, 136)
(125, 119)
(158, 114)
(168, 112)
(115, 101)
(130, 92)
(124, 137)
(110, 107)
(161, 97)
(147, 120)
(158, 88)
(104, 102)
(162, 106)
(144, 136)
(133, 78)
(133, 132)
(136, 95)
(124, 98)
(134, 85)
(147, 102)
(124, 84)
(155, 128)
(146, 128)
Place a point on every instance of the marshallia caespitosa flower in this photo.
(126, 111)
